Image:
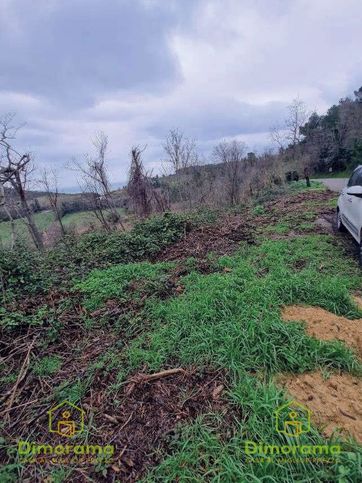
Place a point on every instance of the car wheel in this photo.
(340, 225)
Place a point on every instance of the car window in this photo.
(358, 181)
(356, 178)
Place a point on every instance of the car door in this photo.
(355, 208)
(345, 202)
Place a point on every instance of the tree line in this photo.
(323, 143)
(305, 142)
(185, 180)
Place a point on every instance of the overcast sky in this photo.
(136, 68)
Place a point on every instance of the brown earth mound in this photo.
(296, 203)
(336, 402)
(327, 326)
(222, 238)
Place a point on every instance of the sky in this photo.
(134, 69)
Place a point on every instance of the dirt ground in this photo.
(150, 411)
(324, 325)
(336, 402)
(224, 236)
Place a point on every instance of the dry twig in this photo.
(22, 374)
(141, 378)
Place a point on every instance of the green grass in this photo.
(83, 218)
(115, 282)
(47, 366)
(43, 220)
(280, 228)
(79, 218)
(337, 174)
(229, 319)
(296, 186)
(232, 320)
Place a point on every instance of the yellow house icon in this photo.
(66, 419)
(292, 419)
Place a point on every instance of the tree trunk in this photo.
(59, 219)
(12, 225)
(7, 211)
(33, 229)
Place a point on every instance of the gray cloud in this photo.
(136, 68)
(71, 51)
(223, 116)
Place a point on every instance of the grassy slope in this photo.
(43, 221)
(82, 218)
(230, 319)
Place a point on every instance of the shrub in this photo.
(25, 272)
(100, 249)
(21, 271)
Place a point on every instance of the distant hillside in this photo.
(68, 202)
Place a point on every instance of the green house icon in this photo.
(292, 419)
(66, 419)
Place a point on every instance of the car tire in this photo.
(340, 225)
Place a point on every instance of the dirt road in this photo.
(334, 184)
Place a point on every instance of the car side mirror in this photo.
(355, 191)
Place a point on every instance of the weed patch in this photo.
(47, 366)
(110, 316)
(123, 282)
(233, 318)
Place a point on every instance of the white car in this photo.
(349, 208)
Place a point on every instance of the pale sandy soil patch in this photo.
(336, 402)
(324, 325)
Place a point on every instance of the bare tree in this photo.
(97, 185)
(181, 151)
(14, 170)
(290, 133)
(231, 154)
(137, 187)
(297, 117)
(144, 196)
(277, 135)
(182, 156)
(49, 182)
